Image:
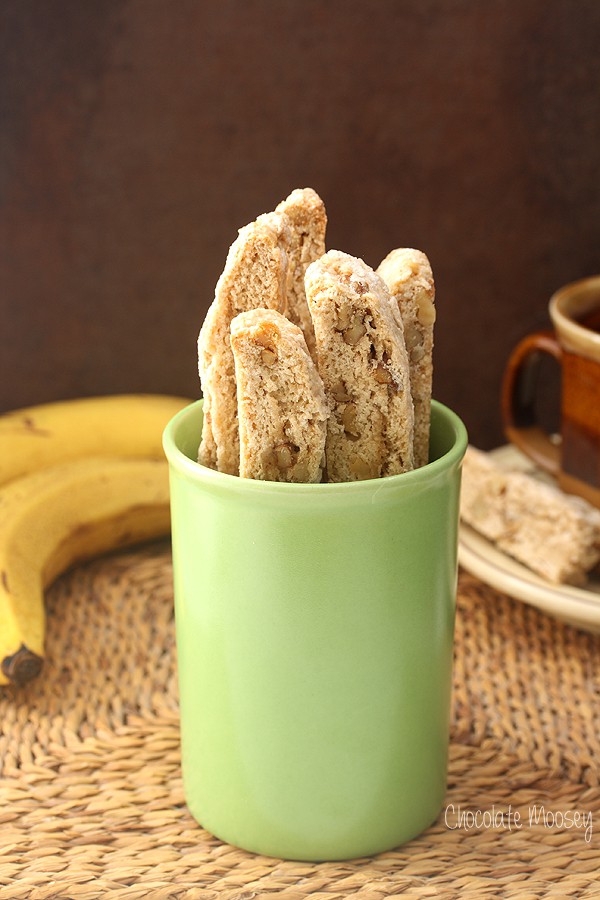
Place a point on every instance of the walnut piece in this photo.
(425, 308)
(344, 318)
(382, 375)
(361, 469)
(356, 330)
(349, 420)
(268, 356)
(285, 455)
(340, 393)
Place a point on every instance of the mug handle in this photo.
(518, 400)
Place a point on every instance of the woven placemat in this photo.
(92, 801)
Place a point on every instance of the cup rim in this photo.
(570, 327)
(196, 471)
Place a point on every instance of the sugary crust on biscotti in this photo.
(362, 360)
(408, 275)
(308, 219)
(552, 533)
(255, 274)
(282, 410)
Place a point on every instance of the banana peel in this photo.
(120, 425)
(77, 479)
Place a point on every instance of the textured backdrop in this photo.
(138, 135)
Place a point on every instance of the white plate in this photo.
(577, 606)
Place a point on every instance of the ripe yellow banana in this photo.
(61, 515)
(120, 425)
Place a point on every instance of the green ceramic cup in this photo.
(314, 638)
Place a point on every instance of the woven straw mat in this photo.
(92, 802)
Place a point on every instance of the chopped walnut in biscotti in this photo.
(282, 409)
(255, 274)
(363, 362)
(408, 275)
(308, 221)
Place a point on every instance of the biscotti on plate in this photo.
(552, 533)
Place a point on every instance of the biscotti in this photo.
(408, 275)
(552, 533)
(282, 410)
(363, 362)
(255, 274)
(308, 221)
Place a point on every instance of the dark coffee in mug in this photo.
(591, 320)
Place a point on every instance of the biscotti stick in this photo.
(255, 274)
(362, 360)
(282, 410)
(308, 219)
(409, 278)
(552, 533)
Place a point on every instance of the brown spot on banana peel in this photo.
(22, 666)
(4, 580)
(32, 428)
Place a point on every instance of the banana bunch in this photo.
(77, 479)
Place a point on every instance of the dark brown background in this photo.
(138, 135)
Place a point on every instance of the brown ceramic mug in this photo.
(575, 344)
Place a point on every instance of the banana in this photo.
(120, 425)
(62, 515)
